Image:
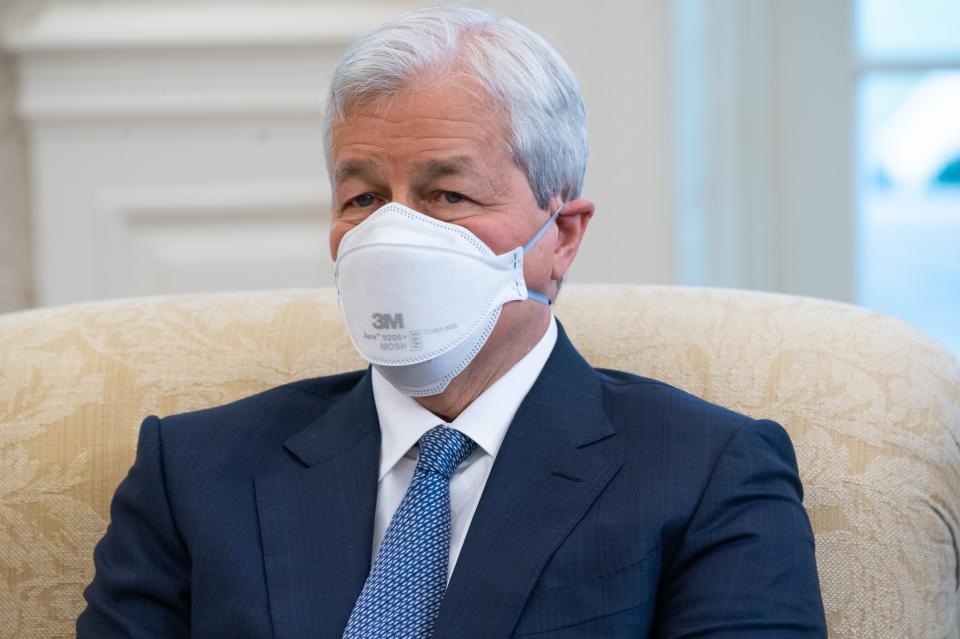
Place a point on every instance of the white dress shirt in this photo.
(403, 422)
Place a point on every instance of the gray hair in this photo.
(519, 70)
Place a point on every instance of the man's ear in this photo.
(571, 225)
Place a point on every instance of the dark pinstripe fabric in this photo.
(617, 507)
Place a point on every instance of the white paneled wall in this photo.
(176, 146)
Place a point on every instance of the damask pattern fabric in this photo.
(871, 404)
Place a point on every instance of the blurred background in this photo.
(802, 146)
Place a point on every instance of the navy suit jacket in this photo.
(618, 506)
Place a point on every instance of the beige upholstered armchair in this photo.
(872, 406)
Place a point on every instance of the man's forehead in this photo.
(425, 169)
(357, 167)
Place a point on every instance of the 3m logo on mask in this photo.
(387, 321)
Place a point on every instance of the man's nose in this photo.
(403, 194)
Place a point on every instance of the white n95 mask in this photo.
(421, 297)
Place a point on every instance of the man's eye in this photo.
(452, 197)
(363, 201)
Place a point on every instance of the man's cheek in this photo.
(335, 238)
(337, 231)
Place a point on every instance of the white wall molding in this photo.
(110, 84)
(177, 146)
(116, 25)
(284, 200)
(116, 108)
(161, 236)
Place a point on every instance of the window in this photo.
(908, 162)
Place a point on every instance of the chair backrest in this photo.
(872, 406)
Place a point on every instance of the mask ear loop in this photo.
(543, 229)
(540, 297)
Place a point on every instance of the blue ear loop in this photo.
(540, 297)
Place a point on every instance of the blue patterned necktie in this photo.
(402, 594)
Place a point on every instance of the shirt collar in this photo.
(403, 421)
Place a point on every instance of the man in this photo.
(480, 479)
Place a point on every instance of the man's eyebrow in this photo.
(357, 168)
(457, 165)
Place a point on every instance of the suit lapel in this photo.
(316, 522)
(540, 486)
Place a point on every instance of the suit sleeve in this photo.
(746, 566)
(141, 586)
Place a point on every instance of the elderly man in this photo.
(480, 479)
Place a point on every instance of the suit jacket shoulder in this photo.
(652, 413)
(247, 435)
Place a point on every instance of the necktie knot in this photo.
(442, 449)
